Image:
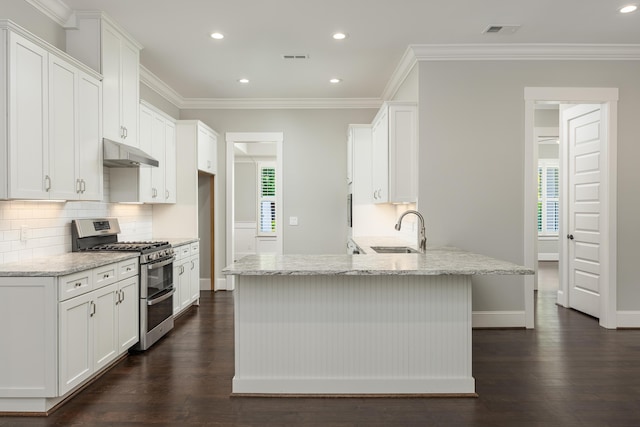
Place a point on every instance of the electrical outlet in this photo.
(24, 233)
(293, 220)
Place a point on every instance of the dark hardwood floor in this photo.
(567, 372)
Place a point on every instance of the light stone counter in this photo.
(434, 262)
(61, 265)
(178, 241)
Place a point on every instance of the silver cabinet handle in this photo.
(193, 265)
(166, 194)
(120, 296)
(126, 132)
(78, 186)
(47, 183)
(83, 185)
(122, 132)
(92, 308)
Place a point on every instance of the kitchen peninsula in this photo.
(357, 324)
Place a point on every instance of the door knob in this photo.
(570, 236)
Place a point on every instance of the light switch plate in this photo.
(293, 220)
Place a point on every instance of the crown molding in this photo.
(160, 87)
(280, 103)
(404, 67)
(525, 51)
(57, 10)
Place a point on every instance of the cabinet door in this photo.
(403, 154)
(158, 152)
(177, 272)
(203, 150)
(90, 138)
(28, 120)
(380, 159)
(75, 341)
(130, 95)
(105, 325)
(128, 309)
(146, 144)
(184, 283)
(63, 155)
(111, 89)
(170, 178)
(194, 277)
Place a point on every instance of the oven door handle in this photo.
(162, 298)
(155, 265)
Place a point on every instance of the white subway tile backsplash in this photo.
(49, 225)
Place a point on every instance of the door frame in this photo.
(608, 98)
(251, 137)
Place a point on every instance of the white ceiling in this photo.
(179, 51)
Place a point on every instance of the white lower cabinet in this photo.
(95, 328)
(186, 277)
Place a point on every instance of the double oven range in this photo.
(155, 275)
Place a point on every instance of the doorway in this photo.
(607, 99)
(262, 152)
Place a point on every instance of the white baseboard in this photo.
(498, 319)
(205, 284)
(221, 285)
(548, 256)
(628, 319)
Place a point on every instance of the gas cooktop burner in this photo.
(142, 247)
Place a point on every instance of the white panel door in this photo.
(170, 179)
(62, 130)
(90, 137)
(76, 345)
(158, 152)
(194, 277)
(128, 309)
(28, 122)
(585, 141)
(146, 143)
(111, 85)
(380, 159)
(130, 98)
(105, 325)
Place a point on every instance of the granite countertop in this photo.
(178, 241)
(435, 261)
(61, 265)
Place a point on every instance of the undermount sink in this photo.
(394, 250)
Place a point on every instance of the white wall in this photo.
(245, 205)
(472, 154)
(314, 175)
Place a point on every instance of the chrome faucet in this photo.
(423, 234)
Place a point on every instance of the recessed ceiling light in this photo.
(334, 80)
(628, 9)
(339, 36)
(217, 36)
(243, 81)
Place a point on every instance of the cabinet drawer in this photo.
(182, 251)
(75, 284)
(195, 248)
(127, 268)
(103, 276)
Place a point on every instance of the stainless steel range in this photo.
(156, 272)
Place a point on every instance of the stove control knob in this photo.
(153, 256)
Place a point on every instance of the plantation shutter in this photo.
(548, 197)
(267, 206)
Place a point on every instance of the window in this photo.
(548, 201)
(267, 199)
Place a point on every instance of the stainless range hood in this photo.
(117, 155)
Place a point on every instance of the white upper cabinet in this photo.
(150, 184)
(359, 163)
(395, 153)
(50, 122)
(107, 48)
(207, 149)
(75, 144)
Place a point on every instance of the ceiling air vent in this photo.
(296, 56)
(501, 29)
